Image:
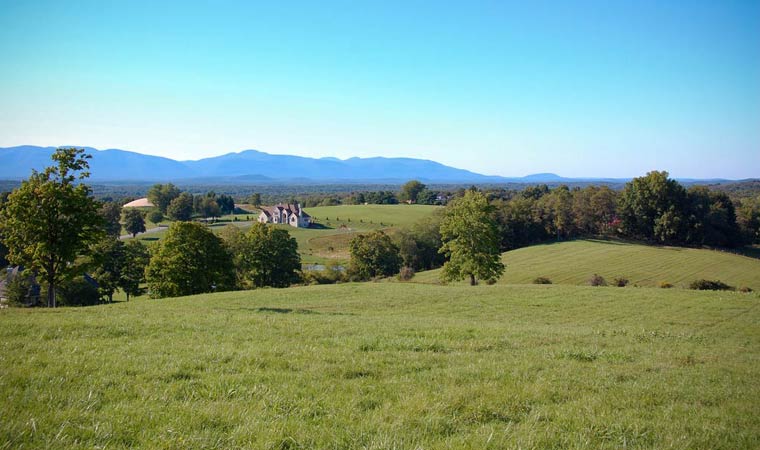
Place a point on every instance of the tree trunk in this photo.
(472, 280)
(51, 295)
(127, 296)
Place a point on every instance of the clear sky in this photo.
(602, 88)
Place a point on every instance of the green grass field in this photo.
(574, 262)
(383, 215)
(338, 225)
(387, 365)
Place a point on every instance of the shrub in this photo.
(710, 285)
(597, 280)
(665, 285)
(333, 273)
(620, 281)
(406, 273)
(542, 280)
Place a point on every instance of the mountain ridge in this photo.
(246, 166)
(254, 166)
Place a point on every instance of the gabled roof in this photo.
(289, 209)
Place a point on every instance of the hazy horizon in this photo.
(582, 89)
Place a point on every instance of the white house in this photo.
(292, 215)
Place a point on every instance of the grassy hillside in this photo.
(575, 262)
(387, 365)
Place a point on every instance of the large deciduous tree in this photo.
(373, 255)
(651, 207)
(163, 194)
(410, 190)
(134, 222)
(181, 208)
(471, 240)
(111, 214)
(51, 220)
(189, 260)
(266, 256)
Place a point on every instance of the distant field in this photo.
(336, 226)
(384, 215)
(387, 365)
(575, 262)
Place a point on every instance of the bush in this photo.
(542, 280)
(333, 273)
(710, 285)
(620, 281)
(597, 280)
(406, 273)
(665, 285)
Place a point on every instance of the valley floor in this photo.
(387, 365)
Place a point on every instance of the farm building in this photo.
(292, 215)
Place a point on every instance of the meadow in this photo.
(574, 262)
(387, 365)
(335, 227)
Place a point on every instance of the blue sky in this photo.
(607, 88)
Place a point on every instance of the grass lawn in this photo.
(384, 215)
(574, 262)
(387, 365)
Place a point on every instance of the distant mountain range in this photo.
(255, 167)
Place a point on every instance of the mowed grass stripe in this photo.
(574, 262)
(387, 365)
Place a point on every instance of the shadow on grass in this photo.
(319, 226)
(267, 309)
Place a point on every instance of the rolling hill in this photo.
(574, 262)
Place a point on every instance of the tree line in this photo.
(52, 226)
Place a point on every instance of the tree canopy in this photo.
(373, 255)
(181, 208)
(50, 220)
(410, 190)
(111, 214)
(266, 256)
(161, 195)
(134, 222)
(471, 240)
(189, 260)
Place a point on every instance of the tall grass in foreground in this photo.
(387, 365)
